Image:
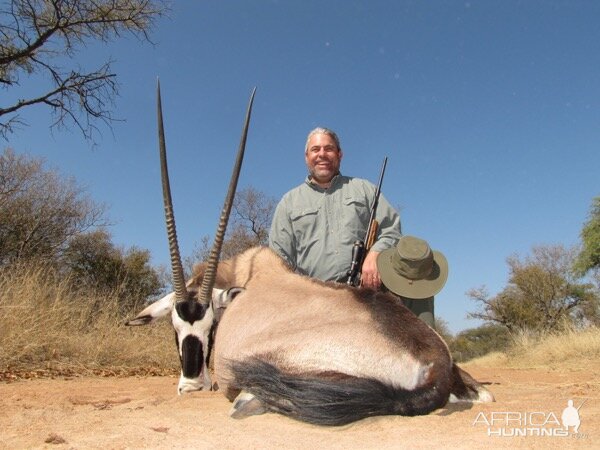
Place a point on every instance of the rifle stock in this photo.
(371, 236)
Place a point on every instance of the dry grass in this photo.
(47, 328)
(569, 349)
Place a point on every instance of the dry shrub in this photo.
(570, 348)
(46, 324)
(48, 327)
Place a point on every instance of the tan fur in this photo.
(304, 326)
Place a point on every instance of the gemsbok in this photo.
(322, 353)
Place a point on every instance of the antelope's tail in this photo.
(333, 398)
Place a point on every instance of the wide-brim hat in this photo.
(412, 270)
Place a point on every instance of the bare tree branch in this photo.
(36, 34)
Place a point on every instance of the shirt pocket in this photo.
(305, 224)
(355, 216)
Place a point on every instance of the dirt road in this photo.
(122, 413)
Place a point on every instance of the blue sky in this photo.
(489, 113)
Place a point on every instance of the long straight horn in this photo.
(210, 273)
(181, 293)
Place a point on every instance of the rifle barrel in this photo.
(358, 254)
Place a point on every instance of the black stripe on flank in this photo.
(399, 325)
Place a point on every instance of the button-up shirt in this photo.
(314, 228)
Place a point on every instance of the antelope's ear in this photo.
(223, 298)
(156, 310)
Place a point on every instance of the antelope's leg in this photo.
(246, 405)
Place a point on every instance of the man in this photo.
(316, 224)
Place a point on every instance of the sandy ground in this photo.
(121, 413)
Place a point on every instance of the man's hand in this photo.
(370, 275)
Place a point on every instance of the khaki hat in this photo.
(412, 269)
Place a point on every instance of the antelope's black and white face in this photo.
(194, 324)
(194, 321)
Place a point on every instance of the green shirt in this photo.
(314, 229)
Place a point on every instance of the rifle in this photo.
(361, 248)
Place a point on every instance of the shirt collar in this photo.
(334, 182)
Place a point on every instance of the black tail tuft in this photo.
(331, 398)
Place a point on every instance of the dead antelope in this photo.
(323, 353)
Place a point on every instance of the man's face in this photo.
(322, 158)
